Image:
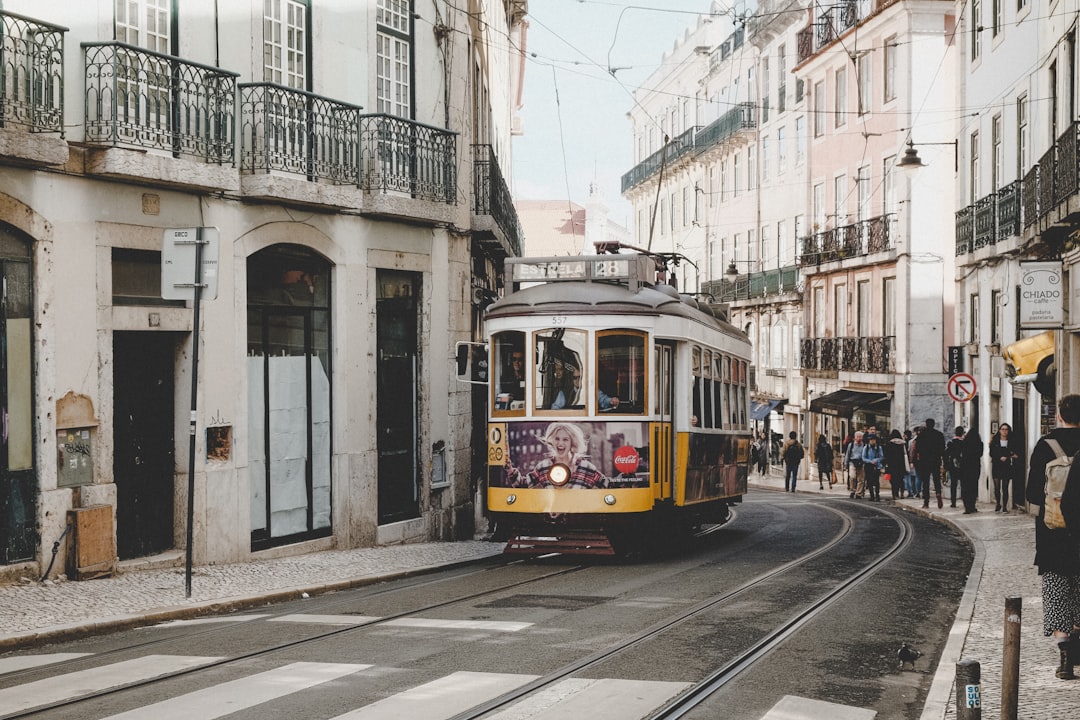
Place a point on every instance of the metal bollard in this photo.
(968, 690)
(1010, 659)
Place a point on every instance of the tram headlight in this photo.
(609, 499)
(559, 474)
(511, 499)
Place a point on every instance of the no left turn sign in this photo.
(961, 387)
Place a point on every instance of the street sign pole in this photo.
(194, 404)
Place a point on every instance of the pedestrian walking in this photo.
(896, 463)
(824, 455)
(873, 462)
(792, 454)
(759, 452)
(1057, 554)
(953, 452)
(929, 450)
(853, 463)
(970, 469)
(1005, 465)
(913, 487)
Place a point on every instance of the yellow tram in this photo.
(617, 408)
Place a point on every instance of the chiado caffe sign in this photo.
(1041, 295)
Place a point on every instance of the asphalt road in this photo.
(564, 609)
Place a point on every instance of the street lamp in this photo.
(911, 159)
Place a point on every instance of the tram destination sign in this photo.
(624, 268)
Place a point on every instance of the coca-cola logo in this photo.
(627, 459)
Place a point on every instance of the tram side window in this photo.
(559, 362)
(706, 390)
(510, 368)
(620, 372)
(742, 390)
(695, 369)
(719, 402)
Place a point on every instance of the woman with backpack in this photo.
(1056, 553)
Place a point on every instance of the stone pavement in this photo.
(33, 612)
(1004, 552)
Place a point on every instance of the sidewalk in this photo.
(1004, 551)
(34, 612)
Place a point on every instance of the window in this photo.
(862, 289)
(136, 278)
(840, 200)
(840, 98)
(819, 311)
(996, 311)
(781, 236)
(143, 82)
(620, 372)
(781, 79)
(975, 170)
(995, 9)
(863, 182)
(796, 343)
(976, 29)
(781, 149)
(763, 247)
(764, 159)
(558, 374)
(144, 23)
(511, 370)
(751, 167)
(800, 140)
(888, 306)
(819, 207)
(1021, 136)
(888, 172)
(393, 48)
(285, 43)
(973, 318)
(819, 109)
(765, 90)
(866, 76)
(997, 165)
(840, 306)
(779, 347)
(687, 207)
(735, 175)
(889, 84)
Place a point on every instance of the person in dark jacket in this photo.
(953, 453)
(1057, 553)
(823, 453)
(896, 463)
(873, 463)
(792, 454)
(929, 449)
(970, 469)
(1006, 467)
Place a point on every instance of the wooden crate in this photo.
(92, 547)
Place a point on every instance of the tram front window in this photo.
(509, 361)
(560, 359)
(620, 372)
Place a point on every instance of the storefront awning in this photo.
(760, 409)
(844, 403)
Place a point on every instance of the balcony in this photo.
(991, 220)
(664, 157)
(848, 241)
(831, 356)
(491, 198)
(832, 22)
(716, 133)
(765, 284)
(31, 90)
(137, 98)
(307, 149)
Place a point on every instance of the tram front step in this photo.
(569, 544)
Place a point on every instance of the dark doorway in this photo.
(143, 441)
(397, 375)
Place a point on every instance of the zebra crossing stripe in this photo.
(83, 682)
(209, 620)
(235, 695)
(325, 619)
(496, 625)
(440, 699)
(12, 664)
(607, 699)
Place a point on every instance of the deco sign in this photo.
(1041, 299)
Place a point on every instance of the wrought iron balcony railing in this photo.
(666, 155)
(849, 354)
(31, 74)
(292, 131)
(139, 97)
(1029, 195)
(859, 239)
(990, 220)
(754, 285)
(740, 117)
(491, 195)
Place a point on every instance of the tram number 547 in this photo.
(497, 449)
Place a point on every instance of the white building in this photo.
(349, 155)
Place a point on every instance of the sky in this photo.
(585, 135)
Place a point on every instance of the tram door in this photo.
(663, 442)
